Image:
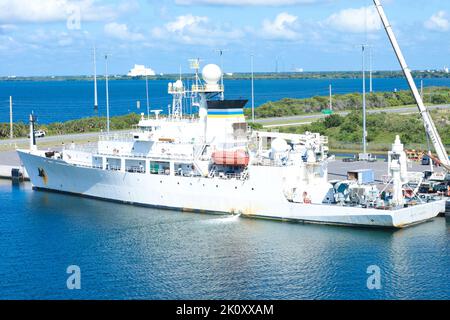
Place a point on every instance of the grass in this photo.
(289, 107)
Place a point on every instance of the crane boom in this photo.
(426, 117)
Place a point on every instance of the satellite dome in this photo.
(279, 145)
(211, 73)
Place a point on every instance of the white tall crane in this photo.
(428, 121)
(95, 80)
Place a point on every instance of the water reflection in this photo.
(133, 252)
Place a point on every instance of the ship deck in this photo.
(337, 170)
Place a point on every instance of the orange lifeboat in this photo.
(231, 158)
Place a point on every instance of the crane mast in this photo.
(428, 121)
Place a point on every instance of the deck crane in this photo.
(426, 117)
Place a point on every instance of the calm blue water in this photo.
(60, 101)
(130, 252)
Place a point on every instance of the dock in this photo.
(9, 161)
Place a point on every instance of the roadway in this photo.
(8, 144)
(54, 140)
(290, 120)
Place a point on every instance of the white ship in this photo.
(212, 162)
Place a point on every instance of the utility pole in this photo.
(421, 89)
(11, 134)
(95, 81)
(107, 93)
(370, 69)
(426, 132)
(331, 99)
(364, 100)
(253, 90)
(146, 91)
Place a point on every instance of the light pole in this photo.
(370, 70)
(95, 81)
(364, 100)
(146, 91)
(331, 98)
(107, 93)
(253, 90)
(11, 134)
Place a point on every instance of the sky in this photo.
(56, 37)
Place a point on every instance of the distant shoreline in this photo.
(244, 76)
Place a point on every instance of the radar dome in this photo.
(211, 73)
(279, 145)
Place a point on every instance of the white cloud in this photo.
(120, 31)
(282, 28)
(190, 29)
(4, 28)
(245, 2)
(41, 11)
(185, 22)
(438, 22)
(355, 20)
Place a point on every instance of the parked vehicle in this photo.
(425, 160)
(366, 157)
(38, 134)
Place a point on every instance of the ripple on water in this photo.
(127, 252)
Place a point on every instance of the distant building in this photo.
(446, 70)
(140, 70)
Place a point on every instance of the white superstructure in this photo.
(141, 71)
(212, 162)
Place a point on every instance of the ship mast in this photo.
(428, 121)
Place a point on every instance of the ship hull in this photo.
(259, 196)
